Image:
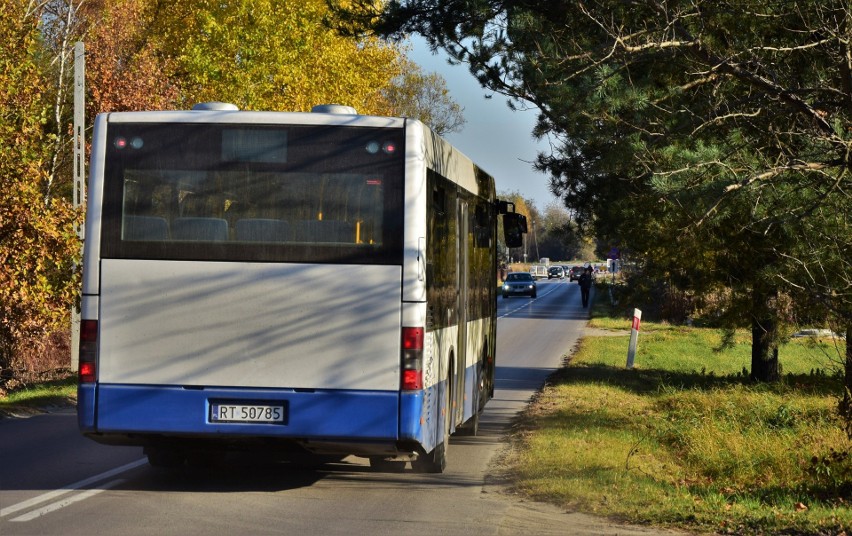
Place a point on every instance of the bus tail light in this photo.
(88, 355)
(412, 359)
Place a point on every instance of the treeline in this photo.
(155, 54)
(711, 141)
(552, 232)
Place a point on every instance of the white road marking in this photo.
(68, 489)
(67, 501)
(526, 303)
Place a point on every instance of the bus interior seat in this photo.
(152, 228)
(324, 231)
(262, 230)
(200, 229)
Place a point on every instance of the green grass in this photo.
(40, 395)
(685, 440)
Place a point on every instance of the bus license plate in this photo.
(260, 413)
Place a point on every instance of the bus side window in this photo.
(481, 229)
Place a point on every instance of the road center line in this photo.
(526, 304)
(67, 502)
(68, 489)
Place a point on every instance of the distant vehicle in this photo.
(575, 273)
(555, 272)
(519, 284)
(538, 271)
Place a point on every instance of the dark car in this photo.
(519, 284)
(555, 272)
(576, 272)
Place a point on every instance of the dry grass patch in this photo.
(684, 440)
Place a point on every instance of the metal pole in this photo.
(79, 129)
(535, 240)
(79, 172)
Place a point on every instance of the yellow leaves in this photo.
(37, 249)
(37, 243)
(274, 54)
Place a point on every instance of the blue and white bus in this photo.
(314, 282)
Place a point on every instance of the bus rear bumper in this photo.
(144, 415)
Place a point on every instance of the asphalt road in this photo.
(53, 481)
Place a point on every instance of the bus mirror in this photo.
(514, 227)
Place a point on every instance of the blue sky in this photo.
(496, 138)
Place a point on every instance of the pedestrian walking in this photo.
(585, 282)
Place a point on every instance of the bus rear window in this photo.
(220, 192)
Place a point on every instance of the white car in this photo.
(538, 271)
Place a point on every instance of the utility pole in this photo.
(79, 172)
(537, 256)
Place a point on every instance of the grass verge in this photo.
(38, 396)
(684, 440)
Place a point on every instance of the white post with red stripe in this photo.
(634, 337)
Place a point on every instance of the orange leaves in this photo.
(125, 67)
(37, 282)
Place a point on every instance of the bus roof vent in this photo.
(334, 109)
(216, 106)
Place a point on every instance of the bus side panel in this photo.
(86, 404)
(321, 414)
(421, 419)
(480, 333)
(411, 420)
(471, 400)
(94, 205)
(440, 345)
(416, 198)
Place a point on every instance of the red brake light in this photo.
(88, 353)
(412, 338)
(412, 380)
(87, 372)
(412, 358)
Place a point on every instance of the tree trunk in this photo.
(764, 340)
(846, 402)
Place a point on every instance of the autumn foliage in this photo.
(125, 70)
(38, 244)
(142, 55)
(261, 55)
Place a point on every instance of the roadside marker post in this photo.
(634, 337)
